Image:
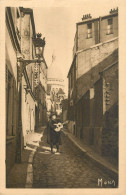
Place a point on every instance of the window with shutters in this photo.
(110, 26)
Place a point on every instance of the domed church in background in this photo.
(55, 89)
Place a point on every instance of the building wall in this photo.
(64, 110)
(111, 86)
(98, 117)
(28, 107)
(87, 109)
(99, 32)
(105, 138)
(103, 28)
(72, 92)
(19, 31)
(85, 81)
(83, 118)
(10, 154)
(64, 115)
(92, 56)
(75, 43)
(43, 119)
(11, 86)
(25, 36)
(83, 62)
(72, 78)
(11, 68)
(40, 80)
(43, 75)
(82, 41)
(43, 80)
(110, 112)
(28, 97)
(28, 49)
(103, 50)
(78, 120)
(71, 127)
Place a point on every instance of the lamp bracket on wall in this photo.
(27, 62)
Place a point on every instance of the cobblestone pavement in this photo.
(69, 169)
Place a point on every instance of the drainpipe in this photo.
(99, 29)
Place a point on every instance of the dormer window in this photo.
(110, 26)
(89, 30)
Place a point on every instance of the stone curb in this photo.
(29, 179)
(110, 171)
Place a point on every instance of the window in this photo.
(89, 30)
(110, 26)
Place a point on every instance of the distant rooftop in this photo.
(60, 91)
(88, 17)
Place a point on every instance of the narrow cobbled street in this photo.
(69, 169)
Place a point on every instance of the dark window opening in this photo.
(110, 22)
(110, 26)
(89, 26)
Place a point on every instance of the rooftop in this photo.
(60, 91)
(88, 18)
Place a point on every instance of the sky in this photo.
(57, 23)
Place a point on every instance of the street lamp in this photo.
(39, 44)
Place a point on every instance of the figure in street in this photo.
(54, 128)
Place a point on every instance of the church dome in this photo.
(54, 71)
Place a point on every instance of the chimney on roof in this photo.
(112, 11)
(87, 16)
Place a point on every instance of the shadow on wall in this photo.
(71, 127)
(110, 132)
